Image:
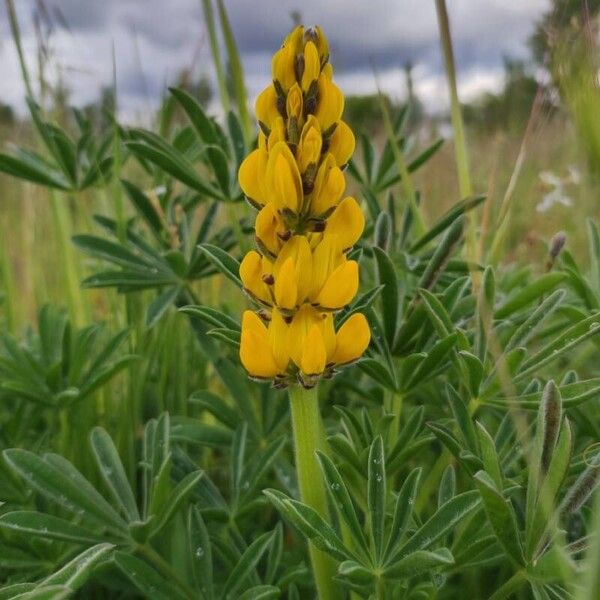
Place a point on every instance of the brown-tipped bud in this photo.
(308, 186)
(265, 315)
(557, 244)
(268, 279)
(549, 420)
(284, 236)
(319, 226)
(309, 175)
(311, 35)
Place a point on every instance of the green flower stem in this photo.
(309, 436)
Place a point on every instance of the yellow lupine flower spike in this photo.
(300, 273)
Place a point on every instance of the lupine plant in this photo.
(427, 430)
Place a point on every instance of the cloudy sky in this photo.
(154, 39)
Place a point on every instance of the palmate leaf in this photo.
(376, 494)
(310, 524)
(341, 498)
(417, 563)
(386, 277)
(446, 517)
(200, 550)
(403, 511)
(36, 524)
(113, 473)
(75, 573)
(174, 163)
(246, 564)
(56, 479)
(502, 517)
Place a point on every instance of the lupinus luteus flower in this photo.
(300, 273)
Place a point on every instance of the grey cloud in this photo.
(363, 34)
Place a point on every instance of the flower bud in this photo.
(312, 66)
(309, 147)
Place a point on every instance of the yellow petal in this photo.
(252, 175)
(340, 287)
(328, 333)
(283, 177)
(298, 249)
(283, 67)
(326, 258)
(294, 103)
(251, 272)
(329, 187)
(255, 349)
(294, 39)
(266, 106)
(352, 339)
(347, 223)
(312, 65)
(286, 286)
(279, 340)
(311, 142)
(330, 105)
(268, 225)
(327, 71)
(322, 44)
(314, 355)
(304, 318)
(277, 132)
(342, 144)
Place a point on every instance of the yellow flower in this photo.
(283, 179)
(342, 144)
(294, 103)
(300, 273)
(278, 133)
(330, 105)
(351, 340)
(309, 344)
(321, 276)
(309, 147)
(266, 107)
(329, 187)
(312, 66)
(256, 348)
(270, 230)
(254, 273)
(252, 176)
(346, 223)
(283, 67)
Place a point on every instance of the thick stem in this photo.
(309, 436)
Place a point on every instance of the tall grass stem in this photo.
(460, 145)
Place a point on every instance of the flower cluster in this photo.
(300, 273)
